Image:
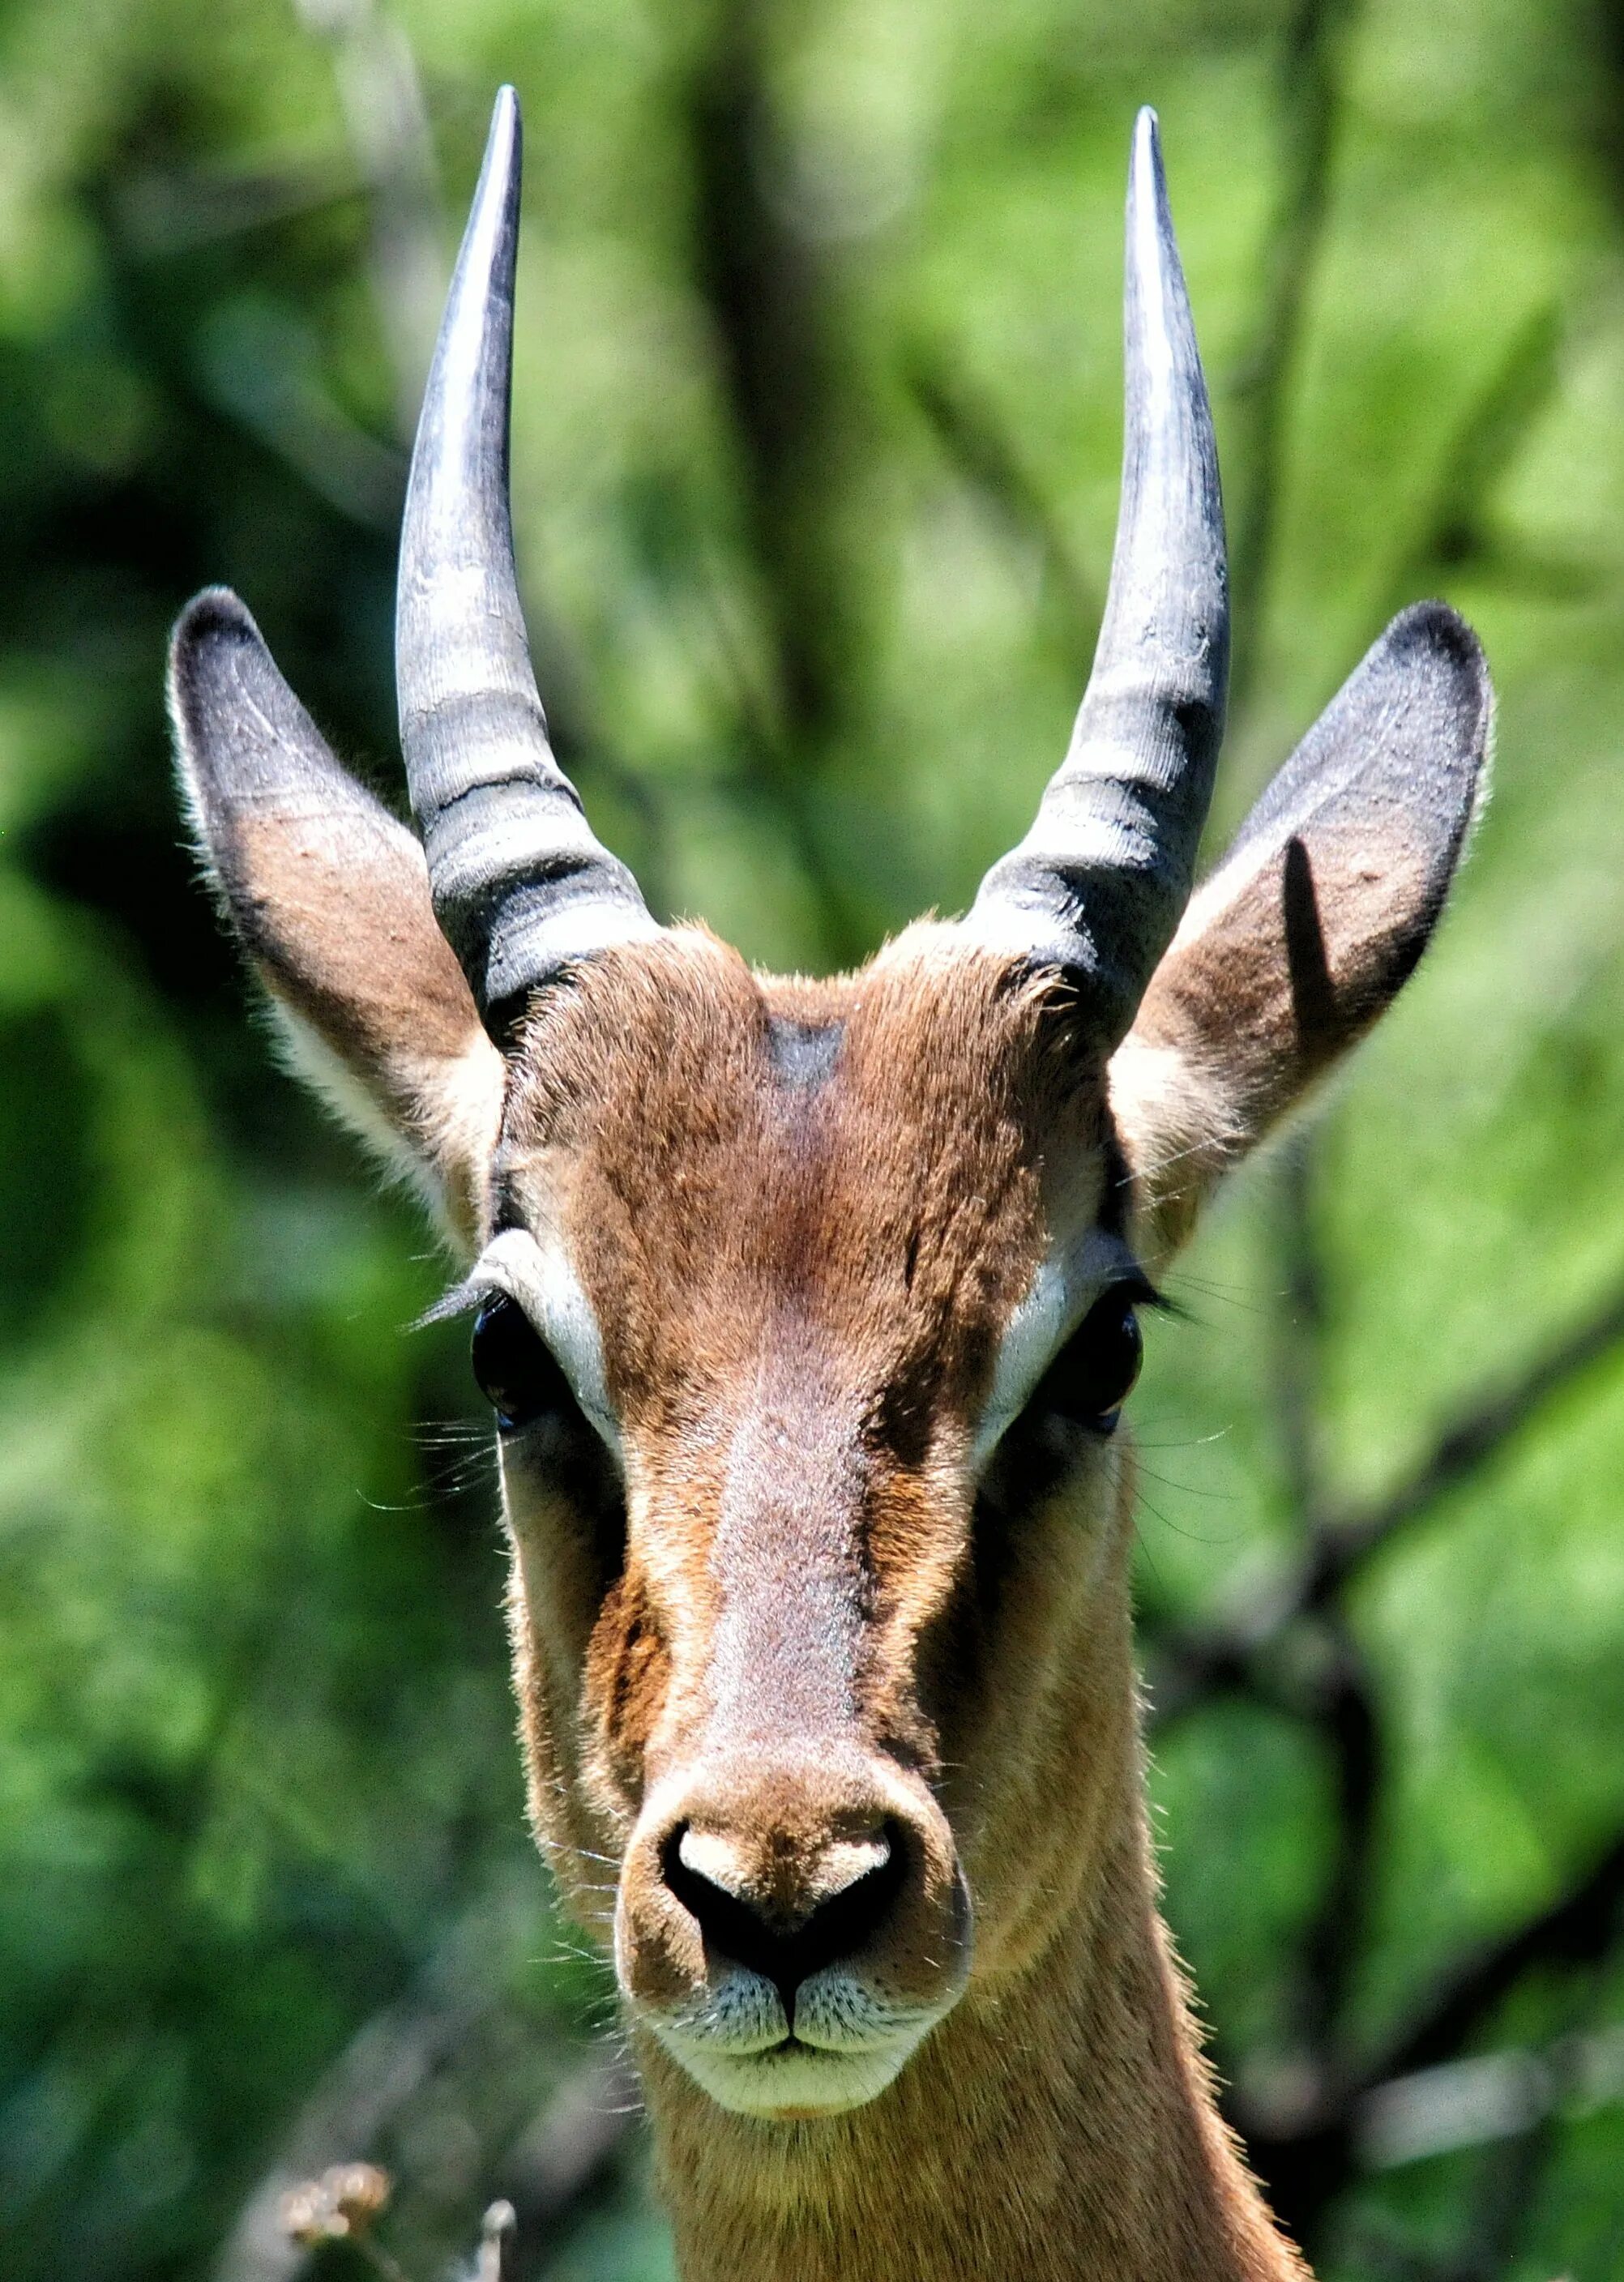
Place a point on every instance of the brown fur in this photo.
(803, 1213)
(879, 1225)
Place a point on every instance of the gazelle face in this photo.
(778, 1237)
(806, 1309)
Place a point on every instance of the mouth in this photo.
(789, 2081)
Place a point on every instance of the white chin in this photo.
(790, 2080)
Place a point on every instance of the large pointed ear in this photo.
(329, 897)
(1308, 928)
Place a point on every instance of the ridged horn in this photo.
(521, 886)
(1097, 885)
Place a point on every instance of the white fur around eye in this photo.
(537, 1272)
(1064, 1287)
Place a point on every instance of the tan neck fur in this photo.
(1058, 2125)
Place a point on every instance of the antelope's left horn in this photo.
(1100, 882)
(521, 886)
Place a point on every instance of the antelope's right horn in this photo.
(521, 886)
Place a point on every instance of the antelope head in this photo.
(808, 1309)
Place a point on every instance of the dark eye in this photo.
(516, 1372)
(1093, 1374)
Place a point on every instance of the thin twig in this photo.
(1452, 533)
(495, 2239)
(1311, 101)
(967, 425)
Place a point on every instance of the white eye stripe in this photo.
(538, 1274)
(1066, 1286)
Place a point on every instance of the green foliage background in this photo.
(811, 629)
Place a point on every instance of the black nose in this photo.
(784, 1944)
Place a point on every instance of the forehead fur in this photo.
(869, 1167)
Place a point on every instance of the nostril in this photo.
(845, 1922)
(786, 1947)
(801, 1886)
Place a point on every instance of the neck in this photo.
(1058, 2125)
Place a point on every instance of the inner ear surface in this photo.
(329, 896)
(1315, 920)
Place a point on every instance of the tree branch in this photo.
(1497, 2095)
(1577, 1929)
(1307, 2151)
(572, 2144)
(387, 119)
(1349, 1724)
(770, 292)
(1508, 2186)
(1190, 1667)
(380, 2071)
(1299, 1328)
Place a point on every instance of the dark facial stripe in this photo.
(802, 1053)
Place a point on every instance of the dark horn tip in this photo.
(504, 149)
